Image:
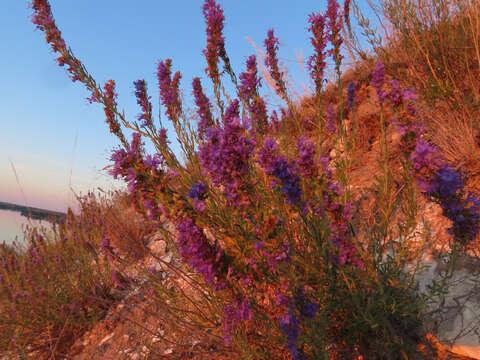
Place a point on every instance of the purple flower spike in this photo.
(225, 156)
(203, 107)
(271, 62)
(205, 259)
(169, 89)
(248, 92)
(277, 166)
(109, 107)
(334, 25)
(215, 41)
(249, 80)
(198, 191)
(306, 154)
(378, 79)
(291, 328)
(143, 101)
(316, 64)
(351, 94)
(331, 123)
(435, 178)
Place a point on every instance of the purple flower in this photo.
(249, 80)
(275, 122)
(44, 21)
(203, 107)
(316, 63)
(378, 79)
(205, 259)
(305, 307)
(131, 177)
(331, 123)
(169, 89)
(351, 94)
(225, 155)
(278, 166)
(198, 191)
(215, 41)
(435, 177)
(110, 105)
(291, 328)
(155, 162)
(198, 205)
(162, 136)
(143, 101)
(271, 62)
(249, 83)
(306, 154)
(334, 25)
(290, 324)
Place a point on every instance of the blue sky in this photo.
(53, 138)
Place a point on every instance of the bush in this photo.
(261, 215)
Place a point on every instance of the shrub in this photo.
(262, 217)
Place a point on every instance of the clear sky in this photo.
(53, 138)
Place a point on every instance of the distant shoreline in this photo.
(34, 213)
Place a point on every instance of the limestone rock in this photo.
(454, 317)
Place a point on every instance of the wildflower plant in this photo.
(264, 230)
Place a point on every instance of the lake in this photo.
(11, 223)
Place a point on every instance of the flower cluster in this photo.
(352, 86)
(205, 259)
(334, 25)
(214, 18)
(332, 120)
(291, 328)
(249, 83)
(198, 194)
(203, 107)
(316, 62)
(378, 79)
(290, 324)
(249, 80)
(306, 155)
(278, 166)
(125, 159)
(446, 186)
(144, 101)
(110, 97)
(225, 155)
(135, 170)
(340, 216)
(169, 89)
(435, 178)
(271, 62)
(44, 21)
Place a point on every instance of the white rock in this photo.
(454, 317)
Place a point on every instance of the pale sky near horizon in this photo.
(52, 137)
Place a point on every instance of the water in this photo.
(11, 223)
